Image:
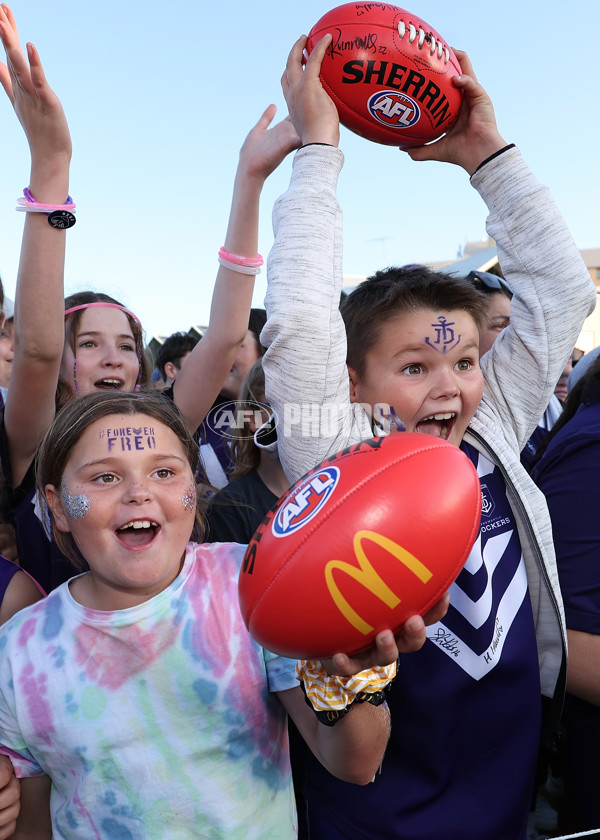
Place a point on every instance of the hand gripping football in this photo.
(373, 535)
(389, 74)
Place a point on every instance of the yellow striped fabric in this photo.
(329, 691)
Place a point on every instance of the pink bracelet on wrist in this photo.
(59, 215)
(243, 265)
(248, 262)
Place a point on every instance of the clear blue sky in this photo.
(160, 97)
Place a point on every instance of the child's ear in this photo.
(54, 502)
(170, 371)
(353, 384)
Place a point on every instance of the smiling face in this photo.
(426, 365)
(128, 499)
(106, 355)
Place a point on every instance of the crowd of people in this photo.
(133, 701)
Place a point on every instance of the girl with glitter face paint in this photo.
(90, 342)
(150, 646)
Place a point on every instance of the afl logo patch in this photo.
(304, 504)
(393, 109)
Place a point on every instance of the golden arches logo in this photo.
(366, 575)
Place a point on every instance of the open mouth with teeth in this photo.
(108, 384)
(439, 425)
(138, 533)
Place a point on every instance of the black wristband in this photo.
(306, 145)
(332, 716)
(495, 155)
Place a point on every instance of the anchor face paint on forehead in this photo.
(129, 438)
(75, 505)
(444, 338)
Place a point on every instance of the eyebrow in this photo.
(419, 348)
(416, 348)
(109, 461)
(98, 332)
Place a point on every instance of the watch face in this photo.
(61, 219)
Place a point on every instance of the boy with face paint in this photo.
(466, 708)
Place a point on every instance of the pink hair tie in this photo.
(103, 303)
(243, 265)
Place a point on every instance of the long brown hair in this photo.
(246, 454)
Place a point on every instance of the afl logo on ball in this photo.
(393, 109)
(304, 504)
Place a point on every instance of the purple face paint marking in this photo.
(75, 507)
(445, 337)
(129, 438)
(189, 498)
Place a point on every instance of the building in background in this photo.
(482, 256)
(475, 256)
(156, 341)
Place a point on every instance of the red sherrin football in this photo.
(389, 73)
(371, 536)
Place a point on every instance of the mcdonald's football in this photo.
(389, 73)
(373, 535)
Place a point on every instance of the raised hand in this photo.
(474, 136)
(311, 109)
(39, 111)
(265, 148)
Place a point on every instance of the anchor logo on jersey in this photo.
(487, 501)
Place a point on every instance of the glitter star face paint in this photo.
(188, 499)
(76, 505)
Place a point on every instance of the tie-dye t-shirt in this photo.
(155, 721)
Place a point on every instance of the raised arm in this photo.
(305, 363)
(39, 299)
(204, 373)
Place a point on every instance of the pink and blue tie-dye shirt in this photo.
(155, 721)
